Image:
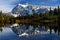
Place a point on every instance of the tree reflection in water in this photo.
(1, 29)
(29, 29)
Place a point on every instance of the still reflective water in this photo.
(29, 32)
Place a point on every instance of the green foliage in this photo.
(35, 15)
(55, 11)
(0, 12)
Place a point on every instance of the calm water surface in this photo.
(29, 32)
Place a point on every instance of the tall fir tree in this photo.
(50, 11)
(58, 20)
(55, 11)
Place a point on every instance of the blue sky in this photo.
(8, 5)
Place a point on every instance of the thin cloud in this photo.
(6, 5)
(6, 2)
(6, 8)
(53, 0)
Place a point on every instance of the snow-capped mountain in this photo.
(23, 10)
(41, 10)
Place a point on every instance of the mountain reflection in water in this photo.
(30, 32)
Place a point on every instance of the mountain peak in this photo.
(23, 5)
(19, 4)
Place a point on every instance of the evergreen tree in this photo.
(1, 17)
(0, 12)
(58, 10)
(50, 12)
(55, 11)
(58, 16)
(33, 11)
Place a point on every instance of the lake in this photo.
(30, 32)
